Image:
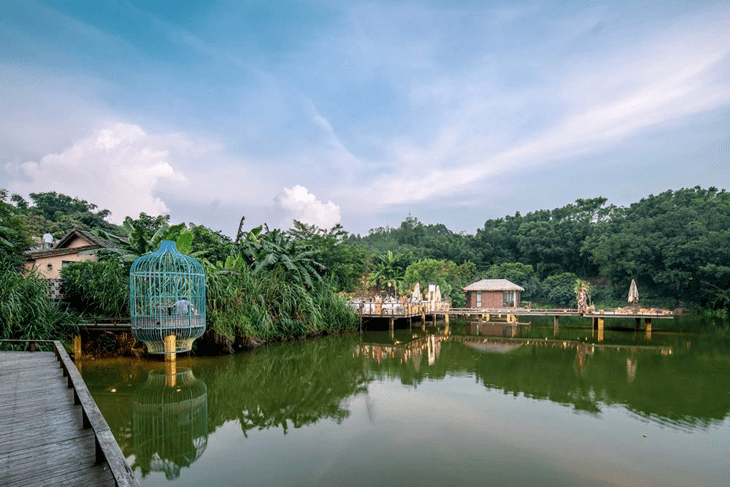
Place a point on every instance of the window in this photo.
(479, 299)
(508, 298)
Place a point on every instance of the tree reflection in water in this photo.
(169, 422)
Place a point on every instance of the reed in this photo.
(25, 310)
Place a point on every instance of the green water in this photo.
(422, 408)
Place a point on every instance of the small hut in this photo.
(493, 293)
(167, 299)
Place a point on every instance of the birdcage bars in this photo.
(167, 297)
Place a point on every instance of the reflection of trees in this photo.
(680, 388)
(287, 384)
(169, 422)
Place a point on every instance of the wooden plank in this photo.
(42, 436)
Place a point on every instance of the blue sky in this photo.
(361, 112)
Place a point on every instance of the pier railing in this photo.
(107, 448)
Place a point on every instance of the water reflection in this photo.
(169, 422)
(663, 382)
(163, 419)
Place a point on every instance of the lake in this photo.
(470, 405)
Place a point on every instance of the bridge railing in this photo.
(107, 448)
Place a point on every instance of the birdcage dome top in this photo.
(167, 259)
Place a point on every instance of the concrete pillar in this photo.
(601, 323)
(170, 355)
(595, 323)
(391, 324)
(423, 317)
(647, 328)
(637, 323)
(171, 373)
(556, 325)
(77, 347)
(446, 320)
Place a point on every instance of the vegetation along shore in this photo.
(268, 285)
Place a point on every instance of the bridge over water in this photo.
(51, 432)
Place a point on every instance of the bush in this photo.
(98, 288)
(560, 289)
(25, 310)
(269, 307)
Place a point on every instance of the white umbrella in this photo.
(633, 293)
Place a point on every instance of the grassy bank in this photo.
(246, 310)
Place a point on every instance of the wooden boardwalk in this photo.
(42, 436)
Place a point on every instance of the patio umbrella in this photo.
(633, 293)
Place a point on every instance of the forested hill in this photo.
(675, 244)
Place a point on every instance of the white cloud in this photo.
(117, 168)
(300, 204)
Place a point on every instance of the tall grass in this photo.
(25, 310)
(99, 288)
(269, 306)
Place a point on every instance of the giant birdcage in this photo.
(169, 422)
(167, 297)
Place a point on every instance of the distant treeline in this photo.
(675, 244)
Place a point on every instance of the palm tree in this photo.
(138, 240)
(275, 251)
(388, 272)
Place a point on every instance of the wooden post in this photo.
(637, 323)
(556, 325)
(170, 355)
(391, 323)
(77, 348)
(361, 308)
(423, 318)
(595, 323)
(446, 319)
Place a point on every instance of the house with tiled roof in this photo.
(493, 293)
(76, 246)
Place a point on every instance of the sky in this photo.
(361, 112)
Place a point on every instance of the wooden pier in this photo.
(51, 432)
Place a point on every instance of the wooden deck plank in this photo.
(42, 439)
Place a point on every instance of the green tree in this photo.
(387, 271)
(559, 289)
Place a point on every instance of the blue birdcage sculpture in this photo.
(167, 297)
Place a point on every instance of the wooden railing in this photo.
(107, 448)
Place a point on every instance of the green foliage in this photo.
(57, 213)
(272, 306)
(25, 310)
(675, 244)
(560, 289)
(294, 260)
(98, 288)
(13, 235)
(342, 262)
(388, 271)
(450, 276)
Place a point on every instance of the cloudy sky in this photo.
(361, 112)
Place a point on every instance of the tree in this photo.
(13, 235)
(296, 260)
(559, 289)
(387, 271)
